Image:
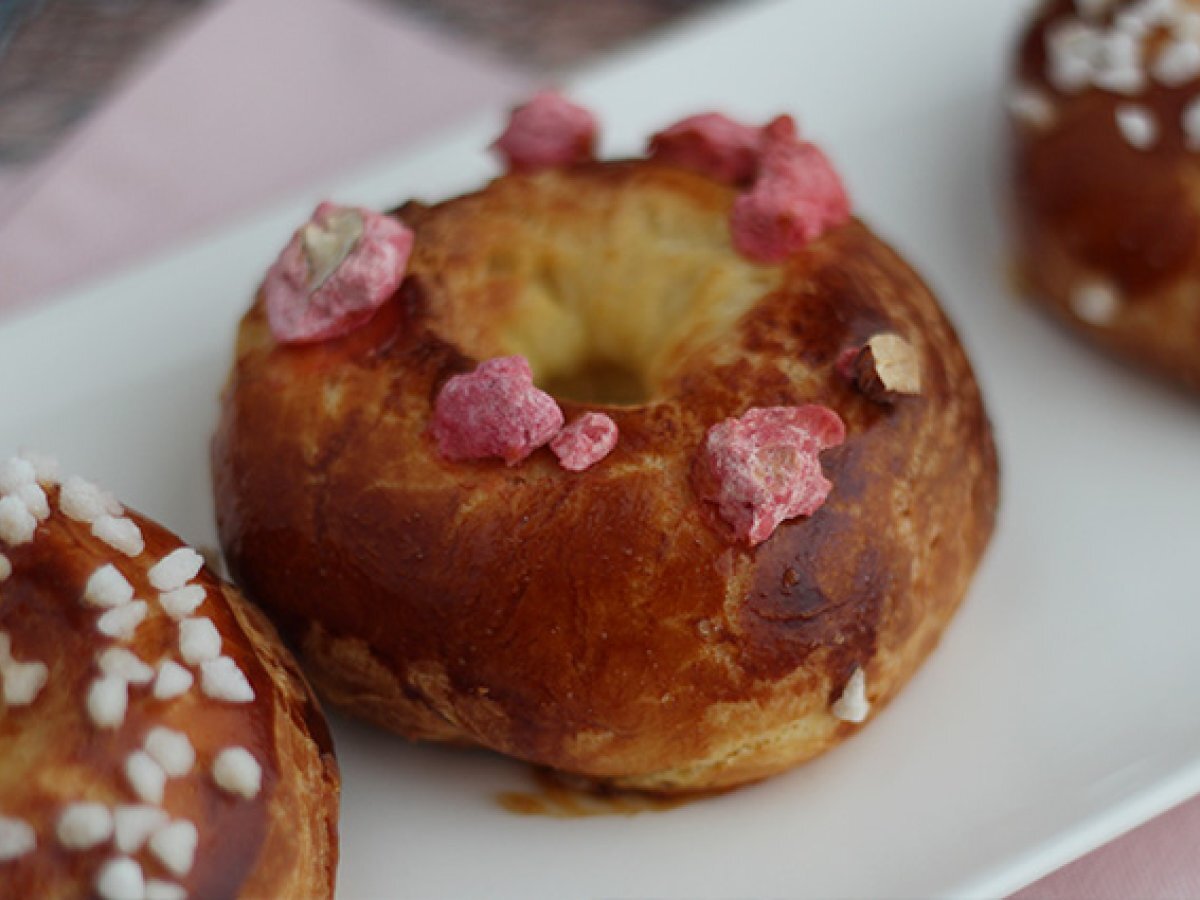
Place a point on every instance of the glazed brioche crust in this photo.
(1087, 206)
(281, 843)
(602, 623)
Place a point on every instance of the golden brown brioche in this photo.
(603, 623)
(156, 738)
(1106, 175)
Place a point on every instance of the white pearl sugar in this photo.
(17, 524)
(121, 663)
(84, 502)
(172, 750)
(176, 569)
(236, 771)
(173, 681)
(121, 879)
(107, 700)
(199, 641)
(1095, 302)
(134, 825)
(146, 777)
(23, 681)
(156, 889)
(182, 602)
(1137, 125)
(45, 468)
(16, 838)
(35, 500)
(14, 473)
(82, 826)
(121, 534)
(122, 622)
(107, 587)
(853, 706)
(175, 846)
(221, 679)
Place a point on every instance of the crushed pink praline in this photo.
(796, 197)
(547, 131)
(585, 441)
(305, 305)
(494, 411)
(763, 468)
(711, 144)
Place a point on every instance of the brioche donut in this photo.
(156, 739)
(1105, 122)
(630, 615)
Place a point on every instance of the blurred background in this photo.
(128, 125)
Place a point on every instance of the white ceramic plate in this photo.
(1057, 712)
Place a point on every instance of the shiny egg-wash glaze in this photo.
(1090, 206)
(604, 623)
(283, 842)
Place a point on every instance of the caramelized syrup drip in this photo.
(559, 798)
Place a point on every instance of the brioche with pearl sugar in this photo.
(156, 740)
(663, 472)
(1105, 122)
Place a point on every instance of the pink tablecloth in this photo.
(206, 131)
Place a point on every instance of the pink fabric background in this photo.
(205, 132)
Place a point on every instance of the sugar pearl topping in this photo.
(236, 771)
(1124, 49)
(14, 473)
(121, 622)
(82, 826)
(1138, 125)
(199, 641)
(853, 706)
(107, 700)
(133, 825)
(176, 569)
(17, 838)
(175, 846)
(146, 777)
(35, 500)
(107, 587)
(121, 878)
(17, 523)
(121, 663)
(120, 678)
(172, 750)
(84, 502)
(182, 602)
(120, 533)
(1032, 106)
(1096, 302)
(172, 681)
(22, 680)
(157, 889)
(222, 679)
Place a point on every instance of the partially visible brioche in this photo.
(109, 729)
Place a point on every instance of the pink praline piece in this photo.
(494, 411)
(585, 441)
(763, 468)
(711, 144)
(796, 198)
(546, 132)
(336, 271)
